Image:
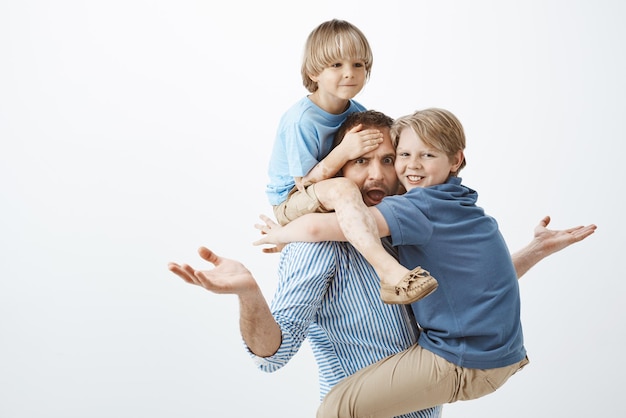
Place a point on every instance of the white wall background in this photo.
(132, 132)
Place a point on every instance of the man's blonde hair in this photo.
(330, 42)
(437, 128)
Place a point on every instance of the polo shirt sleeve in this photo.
(406, 219)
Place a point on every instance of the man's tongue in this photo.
(375, 195)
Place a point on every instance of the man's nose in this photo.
(375, 171)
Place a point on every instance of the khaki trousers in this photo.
(298, 204)
(409, 381)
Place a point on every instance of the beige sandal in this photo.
(416, 285)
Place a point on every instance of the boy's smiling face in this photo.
(420, 165)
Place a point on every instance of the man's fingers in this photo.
(545, 221)
(185, 272)
(579, 230)
(176, 269)
(209, 255)
(584, 232)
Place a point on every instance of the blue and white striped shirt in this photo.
(329, 294)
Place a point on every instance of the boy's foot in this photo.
(416, 285)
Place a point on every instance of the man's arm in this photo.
(258, 328)
(546, 242)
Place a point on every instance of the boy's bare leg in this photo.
(398, 284)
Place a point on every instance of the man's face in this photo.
(374, 172)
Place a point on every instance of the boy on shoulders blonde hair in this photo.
(337, 62)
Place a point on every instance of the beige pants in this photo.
(298, 204)
(409, 381)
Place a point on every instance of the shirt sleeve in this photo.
(406, 218)
(303, 148)
(305, 271)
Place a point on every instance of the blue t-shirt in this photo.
(304, 137)
(473, 318)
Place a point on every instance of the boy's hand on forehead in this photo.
(358, 142)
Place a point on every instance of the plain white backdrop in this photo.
(132, 132)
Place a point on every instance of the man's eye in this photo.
(388, 160)
(359, 161)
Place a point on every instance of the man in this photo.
(329, 294)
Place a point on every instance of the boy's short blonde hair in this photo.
(437, 128)
(330, 42)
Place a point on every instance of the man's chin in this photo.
(370, 202)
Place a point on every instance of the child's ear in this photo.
(313, 78)
(458, 160)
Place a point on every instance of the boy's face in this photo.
(418, 165)
(343, 79)
(374, 173)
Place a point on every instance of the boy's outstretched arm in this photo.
(546, 242)
(258, 328)
(312, 227)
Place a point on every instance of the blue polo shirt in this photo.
(473, 318)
